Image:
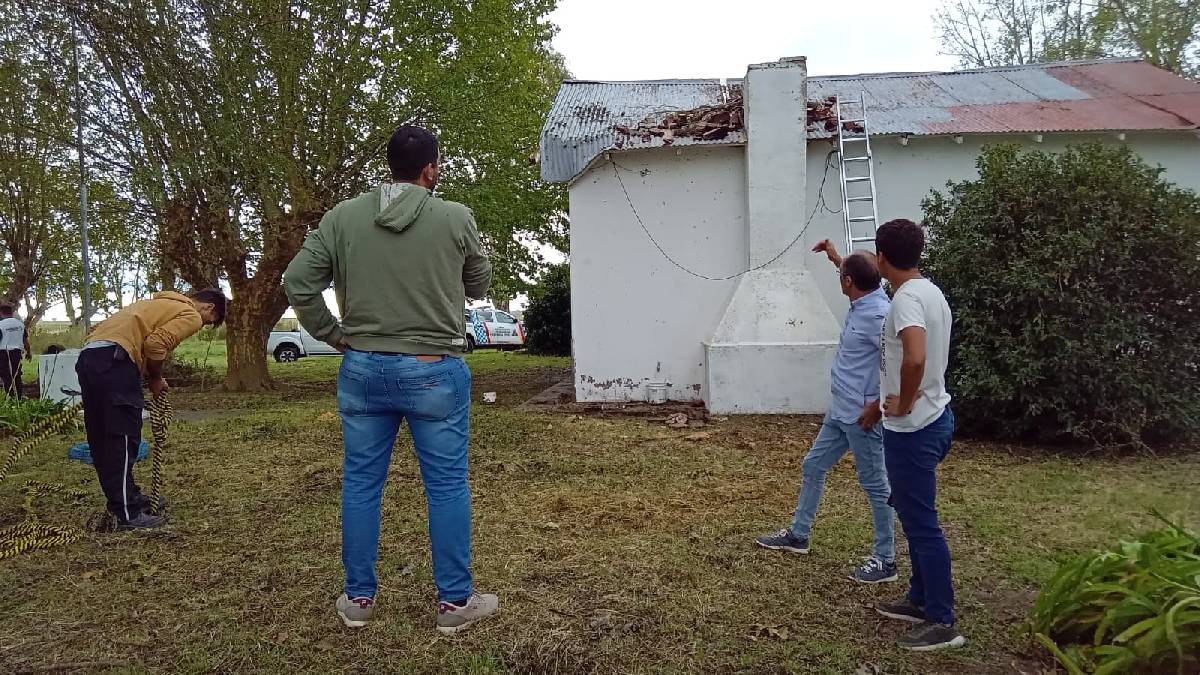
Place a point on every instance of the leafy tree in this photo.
(986, 33)
(1164, 32)
(245, 120)
(548, 317)
(36, 178)
(1075, 285)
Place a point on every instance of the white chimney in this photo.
(772, 350)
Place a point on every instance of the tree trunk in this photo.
(35, 313)
(21, 279)
(69, 306)
(256, 308)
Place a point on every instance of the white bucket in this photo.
(656, 393)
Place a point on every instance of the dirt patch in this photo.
(560, 394)
(515, 387)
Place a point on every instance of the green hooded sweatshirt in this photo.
(402, 263)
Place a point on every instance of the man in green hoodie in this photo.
(402, 263)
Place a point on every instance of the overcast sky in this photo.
(638, 40)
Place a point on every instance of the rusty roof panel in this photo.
(1109, 95)
(1132, 78)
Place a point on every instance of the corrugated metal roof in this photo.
(581, 124)
(1108, 95)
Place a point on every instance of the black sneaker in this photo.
(929, 636)
(783, 540)
(875, 571)
(142, 521)
(143, 503)
(901, 609)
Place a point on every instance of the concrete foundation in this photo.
(772, 350)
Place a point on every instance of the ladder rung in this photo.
(860, 199)
(847, 139)
(858, 179)
(855, 240)
(862, 219)
(856, 159)
(854, 121)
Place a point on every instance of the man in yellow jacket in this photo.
(130, 344)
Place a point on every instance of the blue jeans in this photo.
(832, 442)
(912, 460)
(376, 392)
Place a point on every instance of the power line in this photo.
(617, 168)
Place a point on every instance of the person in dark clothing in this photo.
(130, 343)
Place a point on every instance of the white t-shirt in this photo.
(12, 334)
(918, 303)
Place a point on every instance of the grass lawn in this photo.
(616, 545)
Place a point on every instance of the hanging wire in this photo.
(617, 168)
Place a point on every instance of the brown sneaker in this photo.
(356, 612)
(454, 619)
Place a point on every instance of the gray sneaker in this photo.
(355, 612)
(875, 571)
(142, 521)
(901, 609)
(929, 636)
(455, 619)
(783, 540)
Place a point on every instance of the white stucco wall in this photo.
(635, 316)
(905, 174)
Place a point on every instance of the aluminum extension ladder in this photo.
(856, 172)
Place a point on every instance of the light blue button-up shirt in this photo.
(856, 366)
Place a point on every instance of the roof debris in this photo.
(714, 122)
(823, 113)
(709, 123)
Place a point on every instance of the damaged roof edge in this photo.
(589, 118)
(601, 156)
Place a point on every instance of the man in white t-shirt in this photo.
(917, 428)
(14, 340)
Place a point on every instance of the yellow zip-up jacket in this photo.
(151, 329)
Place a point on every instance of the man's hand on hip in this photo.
(870, 416)
(892, 407)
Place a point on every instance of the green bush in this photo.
(18, 416)
(1075, 285)
(548, 316)
(1132, 609)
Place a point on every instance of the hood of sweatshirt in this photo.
(399, 205)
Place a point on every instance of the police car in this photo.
(489, 327)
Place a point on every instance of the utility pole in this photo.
(83, 195)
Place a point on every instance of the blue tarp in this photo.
(83, 453)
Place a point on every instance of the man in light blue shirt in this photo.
(852, 422)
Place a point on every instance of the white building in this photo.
(648, 214)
